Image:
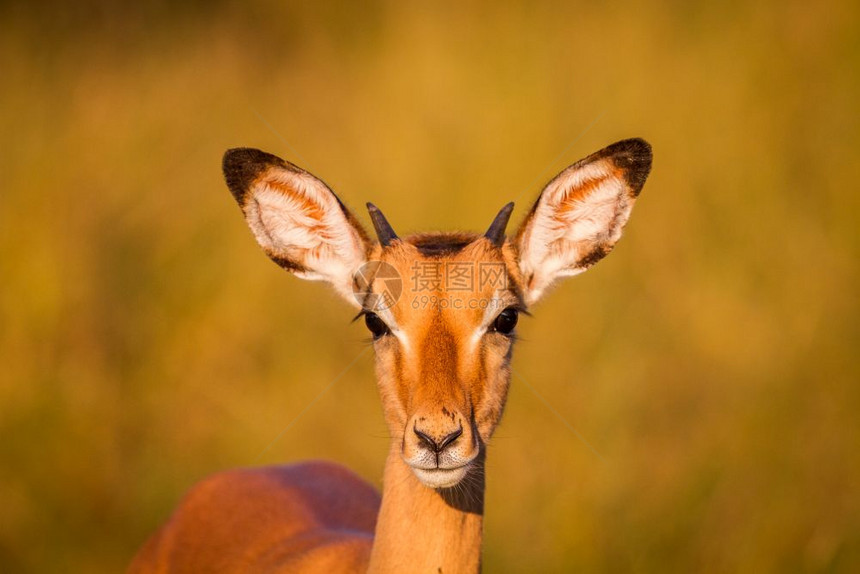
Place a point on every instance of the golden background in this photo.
(711, 360)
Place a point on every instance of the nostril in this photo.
(450, 438)
(437, 447)
(426, 440)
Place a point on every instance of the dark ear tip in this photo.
(243, 165)
(634, 157)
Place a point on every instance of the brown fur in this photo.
(443, 375)
(311, 517)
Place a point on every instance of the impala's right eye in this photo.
(506, 321)
(376, 325)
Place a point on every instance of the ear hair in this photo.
(580, 214)
(297, 220)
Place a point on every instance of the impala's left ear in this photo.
(580, 214)
(297, 220)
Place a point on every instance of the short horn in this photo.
(383, 229)
(496, 232)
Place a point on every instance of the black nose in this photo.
(438, 447)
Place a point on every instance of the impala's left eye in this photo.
(506, 321)
(376, 325)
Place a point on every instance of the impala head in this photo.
(442, 308)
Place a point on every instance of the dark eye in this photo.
(376, 325)
(506, 321)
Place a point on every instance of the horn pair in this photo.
(385, 233)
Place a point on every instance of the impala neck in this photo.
(424, 530)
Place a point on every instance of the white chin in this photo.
(440, 477)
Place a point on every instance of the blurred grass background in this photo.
(712, 361)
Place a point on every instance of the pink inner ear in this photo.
(308, 206)
(576, 195)
(309, 209)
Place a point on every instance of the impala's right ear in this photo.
(297, 220)
(580, 215)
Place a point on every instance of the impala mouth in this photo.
(441, 477)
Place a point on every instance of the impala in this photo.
(443, 344)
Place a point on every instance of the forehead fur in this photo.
(453, 247)
(441, 244)
(448, 246)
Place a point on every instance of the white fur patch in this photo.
(387, 316)
(500, 302)
(582, 210)
(295, 217)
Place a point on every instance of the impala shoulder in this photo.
(338, 496)
(317, 475)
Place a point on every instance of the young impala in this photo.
(442, 309)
